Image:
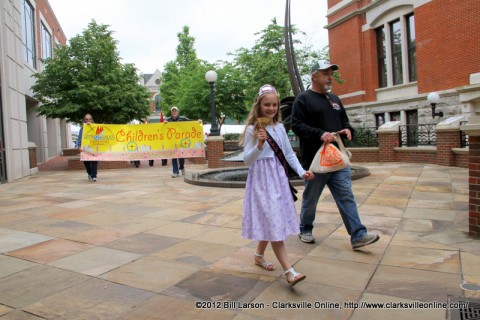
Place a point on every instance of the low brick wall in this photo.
(197, 160)
(227, 164)
(409, 154)
(460, 157)
(364, 154)
(74, 163)
(70, 152)
(387, 152)
(416, 155)
(231, 145)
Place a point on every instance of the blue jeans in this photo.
(175, 164)
(340, 185)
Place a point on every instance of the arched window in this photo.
(396, 47)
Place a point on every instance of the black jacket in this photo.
(312, 116)
(179, 118)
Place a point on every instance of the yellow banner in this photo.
(126, 142)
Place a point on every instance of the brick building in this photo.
(152, 82)
(393, 53)
(29, 31)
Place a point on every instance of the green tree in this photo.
(193, 92)
(170, 82)
(178, 72)
(230, 91)
(265, 62)
(184, 85)
(183, 80)
(87, 76)
(306, 57)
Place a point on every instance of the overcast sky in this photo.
(146, 30)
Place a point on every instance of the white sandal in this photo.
(264, 264)
(295, 276)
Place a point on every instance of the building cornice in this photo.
(352, 94)
(390, 3)
(351, 14)
(419, 97)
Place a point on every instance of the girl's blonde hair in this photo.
(256, 111)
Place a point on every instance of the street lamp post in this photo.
(434, 98)
(211, 77)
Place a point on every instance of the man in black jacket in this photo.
(316, 115)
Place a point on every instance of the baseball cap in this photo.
(174, 108)
(322, 65)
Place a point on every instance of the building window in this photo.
(411, 49)
(395, 116)
(396, 46)
(46, 43)
(412, 117)
(28, 33)
(381, 57)
(396, 51)
(379, 119)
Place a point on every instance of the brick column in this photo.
(388, 135)
(472, 128)
(32, 154)
(215, 151)
(446, 141)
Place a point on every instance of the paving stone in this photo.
(91, 299)
(140, 245)
(25, 287)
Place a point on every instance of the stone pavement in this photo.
(138, 244)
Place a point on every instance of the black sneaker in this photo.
(306, 237)
(365, 240)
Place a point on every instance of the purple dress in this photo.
(268, 211)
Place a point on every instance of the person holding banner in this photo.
(162, 120)
(90, 166)
(150, 161)
(175, 162)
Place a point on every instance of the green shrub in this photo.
(231, 136)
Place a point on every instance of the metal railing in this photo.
(410, 136)
(418, 135)
(363, 137)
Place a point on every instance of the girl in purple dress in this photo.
(269, 213)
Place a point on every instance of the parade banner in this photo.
(118, 142)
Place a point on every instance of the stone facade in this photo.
(21, 127)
